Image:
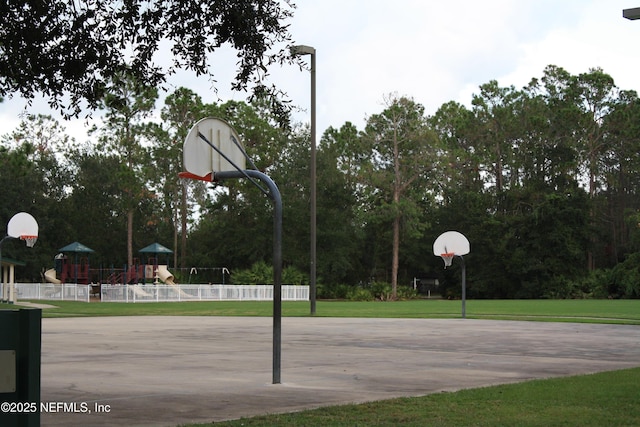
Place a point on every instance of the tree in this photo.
(182, 109)
(342, 253)
(621, 177)
(94, 211)
(459, 161)
(78, 48)
(127, 104)
(597, 93)
(349, 151)
(579, 105)
(547, 152)
(495, 111)
(48, 140)
(401, 145)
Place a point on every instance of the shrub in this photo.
(407, 292)
(625, 278)
(332, 291)
(261, 273)
(381, 291)
(293, 276)
(595, 285)
(357, 293)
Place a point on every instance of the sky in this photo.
(430, 50)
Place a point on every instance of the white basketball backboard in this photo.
(201, 159)
(22, 224)
(451, 242)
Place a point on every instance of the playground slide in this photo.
(137, 289)
(165, 275)
(50, 276)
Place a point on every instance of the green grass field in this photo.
(609, 398)
(603, 399)
(593, 311)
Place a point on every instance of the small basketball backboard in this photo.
(202, 147)
(23, 226)
(450, 244)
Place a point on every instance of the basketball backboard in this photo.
(203, 146)
(451, 242)
(23, 226)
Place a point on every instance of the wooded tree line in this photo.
(542, 180)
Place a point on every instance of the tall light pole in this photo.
(296, 51)
(632, 14)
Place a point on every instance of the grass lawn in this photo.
(603, 399)
(593, 311)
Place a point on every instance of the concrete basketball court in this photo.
(167, 371)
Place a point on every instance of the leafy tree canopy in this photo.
(75, 48)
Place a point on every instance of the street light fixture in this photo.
(631, 14)
(298, 51)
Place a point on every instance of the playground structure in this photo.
(76, 269)
(70, 272)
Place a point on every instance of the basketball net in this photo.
(29, 240)
(447, 258)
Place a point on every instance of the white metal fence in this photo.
(157, 293)
(144, 293)
(50, 291)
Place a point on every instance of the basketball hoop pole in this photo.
(274, 195)
(208, 159)
(7, 237)
(463, 279)
(464, 287)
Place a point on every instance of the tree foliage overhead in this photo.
(75, 48)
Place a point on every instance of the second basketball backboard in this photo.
(23, 226)
(451, 242)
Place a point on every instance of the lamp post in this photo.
(298, 51)
(631, 14)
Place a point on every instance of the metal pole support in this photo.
(274, 195)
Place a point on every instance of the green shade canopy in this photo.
(76, 247)
(9, 261)
(156, 248)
